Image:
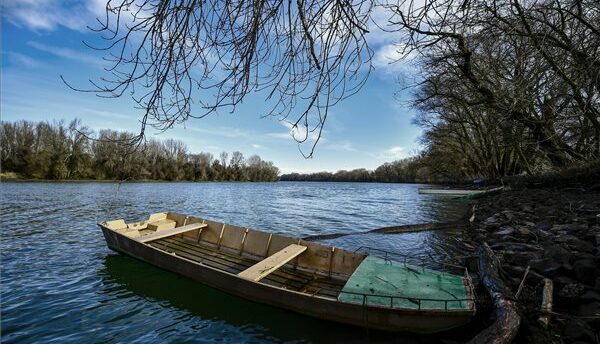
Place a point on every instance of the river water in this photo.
(60, 283)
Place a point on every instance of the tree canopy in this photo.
(506, 87)
(57, 151)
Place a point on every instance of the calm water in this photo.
(60, 283)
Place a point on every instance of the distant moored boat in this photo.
(448, 191)
(354, 288)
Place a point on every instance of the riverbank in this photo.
(16, 178)
(556, 233)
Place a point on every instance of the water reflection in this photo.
(122, 274)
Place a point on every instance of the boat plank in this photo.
(161, 225)
(263, 268)
(169, 232)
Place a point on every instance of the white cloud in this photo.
(288, 169)
(97, 7)
(257, 146)
(390, 56)
(394, 153)
(298, 133)
(382, 33)
(342, 146)
(106, 114)
(393, 58)
(48, 15)
(284, 136)
(221, 131)
(390, 154)
(66, 53)
(22, 59)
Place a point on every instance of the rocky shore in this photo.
(547, 234)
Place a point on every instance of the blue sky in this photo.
(42, 39)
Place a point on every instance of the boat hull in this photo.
(381, 318)
(449, 192)
(467, 193)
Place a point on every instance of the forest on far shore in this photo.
(60, 151)
(408, 170)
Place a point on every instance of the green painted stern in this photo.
(386, 283)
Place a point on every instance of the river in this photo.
(59, 281)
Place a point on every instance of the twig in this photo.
(522, 282)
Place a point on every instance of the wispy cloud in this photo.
(223, 131)
(393, 59)
(394, 153)
(389, 154)
(298, 133)
(288, 169)
(390, 57)
(284, 136)
(48, 15)
(66, 53)
(342, 146)
(382, 33)
(106, 114)
(22, 60)
(249, 136)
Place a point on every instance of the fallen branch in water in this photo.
(507, 323)
(395, 230)
(419, 227)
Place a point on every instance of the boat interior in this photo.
(280, 261)
(267, 258)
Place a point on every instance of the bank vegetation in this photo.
(60, 151)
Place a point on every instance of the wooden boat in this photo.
(322, 281)
(471, 193)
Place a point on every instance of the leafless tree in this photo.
(500, 77)
(302, 56)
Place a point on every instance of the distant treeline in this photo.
(409, 170)
(58, 151)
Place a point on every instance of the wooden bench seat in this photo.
(263, 268)
(169, 232)
(161, 225)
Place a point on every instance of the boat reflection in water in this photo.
(127, 278)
